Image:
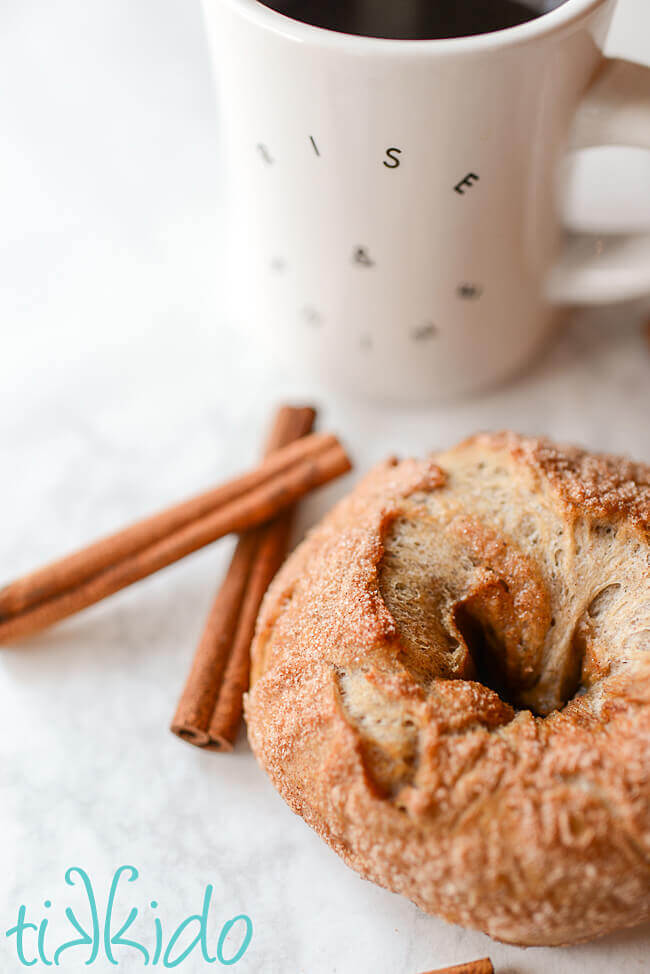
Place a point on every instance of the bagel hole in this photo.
(488, 655)
(487, 652)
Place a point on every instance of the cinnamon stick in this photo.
(228, 711)
(67, 572)
(85, 577)
(196, 706)
(210, 707)
(483, 966)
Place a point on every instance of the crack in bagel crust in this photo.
(451, 684)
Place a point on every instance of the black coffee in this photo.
(414, 19)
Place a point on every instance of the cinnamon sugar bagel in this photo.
(451, 684)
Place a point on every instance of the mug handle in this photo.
(614, 111)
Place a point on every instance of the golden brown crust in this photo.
(596, 485)
(506, 559)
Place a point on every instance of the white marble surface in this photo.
(121, 389)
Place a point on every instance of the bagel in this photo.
(451, 684)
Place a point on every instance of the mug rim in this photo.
(303, 33)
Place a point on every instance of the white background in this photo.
(122, 389)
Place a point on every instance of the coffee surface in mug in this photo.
(414, 19)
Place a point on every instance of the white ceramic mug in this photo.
(393, 209)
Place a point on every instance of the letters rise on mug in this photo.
(106, 938)
(391, 160)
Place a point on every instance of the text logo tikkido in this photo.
(123, 930)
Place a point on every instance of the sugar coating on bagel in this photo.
(451, 685)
